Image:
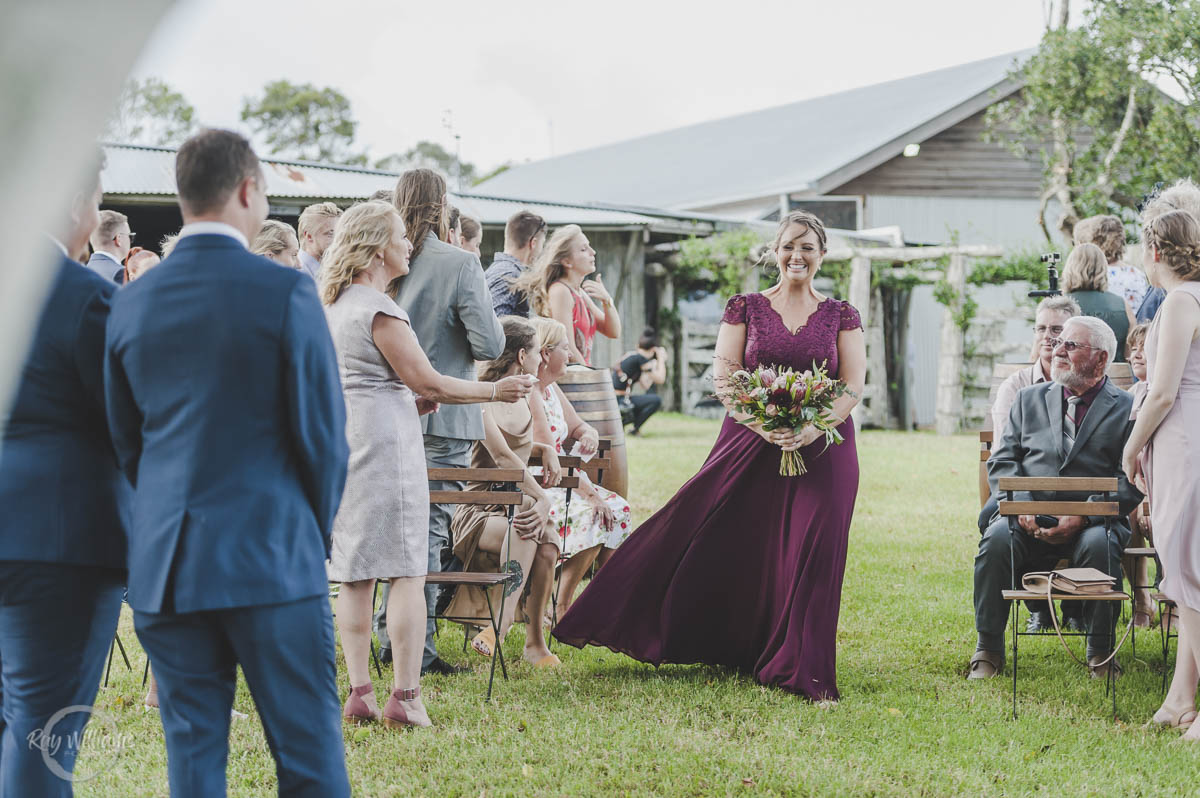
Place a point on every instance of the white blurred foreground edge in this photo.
(62, 63)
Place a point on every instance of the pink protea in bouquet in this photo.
(783, 398)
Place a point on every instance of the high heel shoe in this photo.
(356, 710)
(394, 714)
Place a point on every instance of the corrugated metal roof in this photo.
(149, 172)
(786, 148)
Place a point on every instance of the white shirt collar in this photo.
(214, 228)
(1036, 371)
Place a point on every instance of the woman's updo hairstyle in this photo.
(519, 335)
(1176, 237)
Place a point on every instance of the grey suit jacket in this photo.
(450, 307)
(1032, 443)
(106, 266)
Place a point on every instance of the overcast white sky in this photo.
(525, 79)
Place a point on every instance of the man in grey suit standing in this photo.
(1074, 426)
(111, 242)
(450, 308)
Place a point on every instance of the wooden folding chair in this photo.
(505, 491)
(1010, 509)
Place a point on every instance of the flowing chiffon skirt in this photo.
(741, 568)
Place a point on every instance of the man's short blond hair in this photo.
(315, 215)
(110, 223)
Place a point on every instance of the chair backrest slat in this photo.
(1100, 484)
(505, 498)
(513, 475)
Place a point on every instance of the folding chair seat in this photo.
(1107, 509)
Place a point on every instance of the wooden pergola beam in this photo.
(912, 254)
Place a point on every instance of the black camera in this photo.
(1050, 259)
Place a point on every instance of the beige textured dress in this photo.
(469, 520)
(381, 527)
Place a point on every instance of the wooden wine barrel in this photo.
(591, 393)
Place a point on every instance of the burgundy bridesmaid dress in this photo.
(742, 567)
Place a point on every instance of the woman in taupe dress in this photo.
(380, 528)
(480, 532)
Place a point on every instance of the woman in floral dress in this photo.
(597, 518)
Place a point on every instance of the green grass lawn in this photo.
(908, 723)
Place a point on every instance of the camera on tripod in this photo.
(1050, 259)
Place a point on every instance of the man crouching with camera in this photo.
(1074, 426)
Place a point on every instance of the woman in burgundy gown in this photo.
(743, 567)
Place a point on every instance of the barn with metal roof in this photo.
(907, 153)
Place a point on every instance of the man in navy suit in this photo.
(227, 416)
(63, 505)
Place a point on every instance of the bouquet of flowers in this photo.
(780, 398)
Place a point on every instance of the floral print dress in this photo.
(582, 528)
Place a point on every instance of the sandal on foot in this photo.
(356, 710)
(1143, 619)
(1182, 721)
(484, 643)
(394, 714)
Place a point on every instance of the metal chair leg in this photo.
(108, 667)
(124, 656)
(146, 672)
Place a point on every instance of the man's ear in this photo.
(243, 191)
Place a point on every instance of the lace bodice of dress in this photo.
(770, 343)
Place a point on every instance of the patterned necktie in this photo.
(1069, 425)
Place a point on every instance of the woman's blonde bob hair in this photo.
(274, 238)
(1086, 270)
(362, 233)
(547, 269)
(550, 332)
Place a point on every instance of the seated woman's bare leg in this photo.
(517, 554)
(541, 581)
(573, 572)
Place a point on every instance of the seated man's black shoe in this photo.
(1073, 623)
(384, 655)
(1039, 622)
(443, 668)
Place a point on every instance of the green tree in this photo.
(1095, 106)
(150, 112)
(304, 122)
(429, 155)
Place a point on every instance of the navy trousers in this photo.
(56, 625)
(287, 656)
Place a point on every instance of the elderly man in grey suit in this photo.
(1074, 426)
(448, 302)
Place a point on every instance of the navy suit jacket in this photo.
(227, 415)
(62, 498)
